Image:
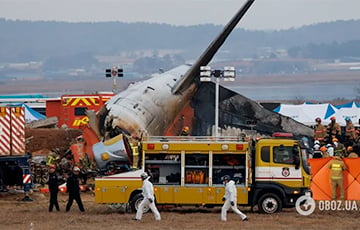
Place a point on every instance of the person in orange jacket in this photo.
(320, 131)
(334, 129)
(337, 167)
(350, 134)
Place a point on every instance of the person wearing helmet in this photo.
(334, 129)
(185, 131)
(350, 134)
(337, 167)
(230, 199)
(73, 188)
(149, 199)
(53, 184)
(351, 153)
(330, 150)
(317, 152)
(339, 148)
(320, 131)
(324, 152)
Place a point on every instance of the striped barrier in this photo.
(12, 130)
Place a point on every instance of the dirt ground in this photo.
(41, 141)
(15, 214)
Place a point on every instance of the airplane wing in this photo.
(209, 53)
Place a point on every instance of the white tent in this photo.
(32, 115)
(307, 113)
(351, 110)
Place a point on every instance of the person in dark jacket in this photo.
(73, 188)
(53, 188)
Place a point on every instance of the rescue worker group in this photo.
(330, 141)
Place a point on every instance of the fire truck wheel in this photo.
(135, 202)
(269, 203)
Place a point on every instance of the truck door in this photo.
(284, 168)
(262, 164)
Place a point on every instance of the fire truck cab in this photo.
(188, 171)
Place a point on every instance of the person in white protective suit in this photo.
(148, 201)
(230, 199)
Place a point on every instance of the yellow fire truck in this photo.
(272, 173)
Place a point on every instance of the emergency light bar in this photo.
(283, 135)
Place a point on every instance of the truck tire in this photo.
(269, 203)
(135, 202)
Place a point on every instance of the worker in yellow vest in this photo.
(337, 167)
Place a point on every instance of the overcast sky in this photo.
(264, 14)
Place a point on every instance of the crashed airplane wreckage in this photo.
(238, 111)
(163, 104)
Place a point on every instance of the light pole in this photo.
(228, 74)
(114, 72)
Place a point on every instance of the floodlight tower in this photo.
(228, 74)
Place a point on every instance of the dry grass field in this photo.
(16, 215)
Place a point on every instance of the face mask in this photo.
(336, 144)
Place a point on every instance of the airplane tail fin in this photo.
(209, 53)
